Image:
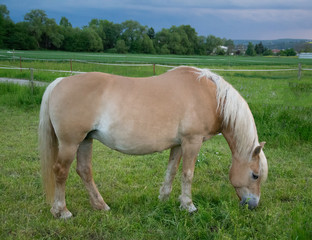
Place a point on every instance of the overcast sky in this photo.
(234, 19)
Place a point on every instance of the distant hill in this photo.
(274, 44)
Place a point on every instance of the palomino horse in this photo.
(178, 110)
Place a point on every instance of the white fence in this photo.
(70, 67)
(305, 55)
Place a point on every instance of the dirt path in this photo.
(22, 81)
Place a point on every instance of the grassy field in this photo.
(282, 107)
(148, 58)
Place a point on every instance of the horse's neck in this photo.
(229, 137)
(234, 143)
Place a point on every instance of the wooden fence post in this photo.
(20, 63)
(32, 80)
(299, 71)
(71, 66)
(154, 69)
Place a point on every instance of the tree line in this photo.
(37, 31)
(259, 49)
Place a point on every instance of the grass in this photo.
(158, 59)
(14, 95)
(129, 184)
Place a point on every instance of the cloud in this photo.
(224, 18)
(260, 15)
(166, 4)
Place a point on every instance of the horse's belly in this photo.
(136, 139)
(133, 144)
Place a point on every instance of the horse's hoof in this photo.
(61, 214)
(66, 215)
(190, 208)
(100, 206)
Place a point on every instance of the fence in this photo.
(305, 55)
(70, 70)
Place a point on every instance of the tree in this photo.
(250, 50)
(6, 26)
(175, 41)
(36, 20)
(65, 23)
(132, 34)
(267, 52)
(151, 33)
(229, 44)
(37, 31)
(51, 36)
(93, 42)
(220, 51)
(112, 33)
(288, 52)
(121, 46)
(147, 45)
(201, 46)
(107, 31)
(20, 38)
(71, 40)
(161, 39)
(4, 12)
(212, 43)
(164, 49)
(259, 48)
(192, 38)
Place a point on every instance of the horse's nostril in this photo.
(251, 201)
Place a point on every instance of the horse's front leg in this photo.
(173, 164)
(190, 149)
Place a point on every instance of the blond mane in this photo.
(235, 113)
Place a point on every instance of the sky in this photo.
(231, 19)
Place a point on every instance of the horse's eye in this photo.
(254, 176)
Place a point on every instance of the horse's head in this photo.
(246, 176)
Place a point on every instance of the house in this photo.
(276, 51)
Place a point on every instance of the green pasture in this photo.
(150, 58)
(282, 108)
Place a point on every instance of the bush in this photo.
(267, 52)
(288, 52)
(111, 50)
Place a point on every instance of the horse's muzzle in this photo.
(251, 200)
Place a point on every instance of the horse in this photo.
(177, 110)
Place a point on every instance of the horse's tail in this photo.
(48, 144)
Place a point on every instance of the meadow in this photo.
(282, 108)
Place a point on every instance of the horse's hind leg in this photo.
(173, 164)
(84, 169)
(66, 156)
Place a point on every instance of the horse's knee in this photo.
(84, 172)
(66, 156)
(61, 172)
(187, 176)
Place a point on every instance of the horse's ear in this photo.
(258, 149)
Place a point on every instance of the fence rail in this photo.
(70, 61)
